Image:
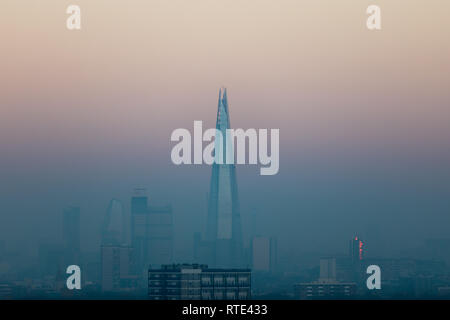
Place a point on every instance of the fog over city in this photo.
(86, 116)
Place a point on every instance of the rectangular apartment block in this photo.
(198, 282)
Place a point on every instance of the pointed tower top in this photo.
(224, 94)
(220, 94)
(223, 99)
(222, 109)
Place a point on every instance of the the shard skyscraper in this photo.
(224, 233)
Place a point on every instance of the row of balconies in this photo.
(204, 295)
(177, 276)
(204, 282)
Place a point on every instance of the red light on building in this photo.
(356, 249)
(360, 250)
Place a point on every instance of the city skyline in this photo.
(127, 252)
(86, 118)
(363, 115)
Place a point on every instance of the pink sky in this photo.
(139, 69)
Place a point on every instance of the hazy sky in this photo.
(363, 115)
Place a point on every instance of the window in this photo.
(230, 281)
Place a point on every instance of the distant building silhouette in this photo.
(327, 270)
(116, 268)
(356, 250)
(151, 232)
(71, 235)
(337, 268)
(264, 254)
(113, 228)
(116, 255)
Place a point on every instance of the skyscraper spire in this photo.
(225, 100)
(224, 225)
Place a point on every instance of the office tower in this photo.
(71, 235)
(160, 235)
(113, 228)
(356, 250)
(264, 254)
(336, 269)
(116, 267)
(327, 270)
(151, 232)
(116, 256)
(139, 229)
(224, 226)
(198, 282)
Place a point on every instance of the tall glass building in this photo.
(224, 233)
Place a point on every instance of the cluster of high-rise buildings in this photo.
(135, 247)
(136, 253)
(151, 245)
(124, 263)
